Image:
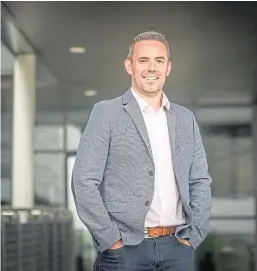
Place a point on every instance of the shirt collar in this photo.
(143, 104)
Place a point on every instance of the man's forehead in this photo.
(149, 43)
(150, 47)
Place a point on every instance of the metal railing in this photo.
(36, 240)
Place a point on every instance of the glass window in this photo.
(49, 137)
(245, 164)
(230, 158)
(75, 124)
(73, 137)
(50, 179)
(6, 157)
(227, 250)
(6, 193)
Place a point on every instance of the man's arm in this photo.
(87, 175)
(200, 191)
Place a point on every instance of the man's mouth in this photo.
(151, 77)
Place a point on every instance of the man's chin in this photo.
(151, 92)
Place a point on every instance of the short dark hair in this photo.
(149, 35)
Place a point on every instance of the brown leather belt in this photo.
(159, 231)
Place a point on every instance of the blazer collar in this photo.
(129, 98)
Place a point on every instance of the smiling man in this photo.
(140, 180)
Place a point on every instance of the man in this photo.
(140, 180)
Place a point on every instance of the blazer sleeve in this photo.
(200, 190)
(87, 175)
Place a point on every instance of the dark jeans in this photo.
(153, 254)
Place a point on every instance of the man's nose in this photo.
(152, 66)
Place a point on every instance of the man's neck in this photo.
(155, 102)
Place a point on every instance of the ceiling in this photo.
(214, 48)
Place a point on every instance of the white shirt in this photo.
(166, 207)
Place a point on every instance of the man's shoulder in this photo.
(181, 110)
(108, 105)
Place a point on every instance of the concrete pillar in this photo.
(23, 131)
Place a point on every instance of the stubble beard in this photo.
(152, 93)
(147, 91)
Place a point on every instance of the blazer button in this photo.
(147, 203)
(151, 173)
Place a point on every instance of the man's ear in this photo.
(128, 65)
(169, 68)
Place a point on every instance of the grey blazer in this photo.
(113, 175)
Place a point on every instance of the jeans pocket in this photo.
(181, 243)
(110, 250)
(111, 259)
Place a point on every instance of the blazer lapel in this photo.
(171, 120)
(131, 106)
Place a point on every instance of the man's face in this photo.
(148, 67)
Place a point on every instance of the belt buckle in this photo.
(147, 234)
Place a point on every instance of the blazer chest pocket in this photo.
(115, 206)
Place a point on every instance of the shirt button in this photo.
(151, 173)
(147, 203)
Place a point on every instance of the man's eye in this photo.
(142, 61)
(160, 61)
